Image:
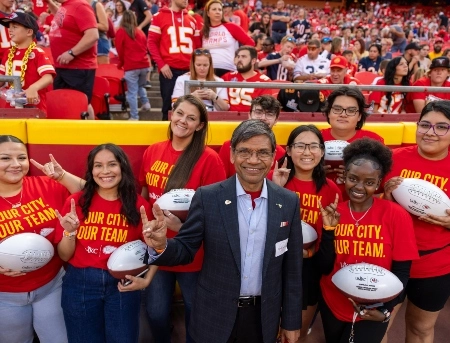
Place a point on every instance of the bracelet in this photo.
(217, 97)
(386, 313)
(159, 251)
(70, 235)
(329, 228)
(61, 176)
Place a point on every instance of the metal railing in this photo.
(14, 79)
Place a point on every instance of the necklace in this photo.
(23, 69)
(17, 204)
(351, 213)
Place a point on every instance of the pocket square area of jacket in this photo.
(283, 224)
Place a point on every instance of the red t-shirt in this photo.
(409, 164)
(241, 98)
(396, 104)
(385, 234)
(38, 65)
(157, 163)
(425, 82)
(5, 40)
(68, 26)
(172, 38)
(348, 80)
(132, 53)
(41, 196)
(102, 232)
(225, 153)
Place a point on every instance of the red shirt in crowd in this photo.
(132, 52)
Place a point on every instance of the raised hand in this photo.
(52, 169)
(173, 222)
(330, 216)
(154, 231)
(281, 175)
(70, 221)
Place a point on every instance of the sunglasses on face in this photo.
(290, 40)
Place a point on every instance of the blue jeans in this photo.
(136, 80)
(399, 48)
(39, 309)
(159, 298)
(277, 36)
(94, 309)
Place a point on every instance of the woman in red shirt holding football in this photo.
(429, 287)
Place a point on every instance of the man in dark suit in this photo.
(251, 282)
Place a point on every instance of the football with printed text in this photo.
(309, 235)
(334, 152)
(367, 283)
(25, 252)
(421, 197)
(128, 259)
(177, 201)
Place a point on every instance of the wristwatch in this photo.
(70, 52)
(386, 313)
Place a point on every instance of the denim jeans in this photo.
(166, 89)
(159, 297)
(136, 80)
(277, 36)
(94, 309)
(399, 48)
(39, 309)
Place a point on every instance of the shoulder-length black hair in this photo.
(126, 189)
(389, 75)
(318, 175)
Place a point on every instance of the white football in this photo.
(128, 259)
(421, 197)
(334, 152)
(309, 235)
(367, 283)
(177, 201)
(25, 252)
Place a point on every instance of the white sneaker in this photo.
(133, 119)
(146, 107)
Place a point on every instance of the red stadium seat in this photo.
(66, 104)
(109, 70)
(365, 77)
(100, 98)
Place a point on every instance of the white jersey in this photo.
(305, 66)
(222, 46)
(179, 91)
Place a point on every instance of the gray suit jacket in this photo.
(214, 223)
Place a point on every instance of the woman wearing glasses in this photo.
(429, 286)
(201, 69)
(396, 74)
(345, 111)
(302, 172)
(370, 230)
(222, 38)
(182, 161)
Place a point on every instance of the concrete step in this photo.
(155, 101)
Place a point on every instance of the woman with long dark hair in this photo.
(262, 26)
(396, 74)
(302, 172)
(372, 62)
(182, 161)
(99, 219)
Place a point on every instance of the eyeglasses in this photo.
(349, 111)
(262, 155)
(260, 114)
(201, 52)
(301, 147)
(439, 129)
(312, 48)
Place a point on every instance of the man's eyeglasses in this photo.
(201, 52)
(439, 129)
(349, 111)
(312, 48)
(260, 114)
(301, 147)
(245, 154)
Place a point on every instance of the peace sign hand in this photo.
(70, 221)
(52, 169)
(281, 175)
(154, 231)
(330, 216)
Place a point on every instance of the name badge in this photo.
(281, 247)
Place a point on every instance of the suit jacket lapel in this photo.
(274, 212)
(228, 211)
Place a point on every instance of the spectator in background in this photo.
(338, 75)
(301, 26)
(446, 53)
(398, 39)
(386, 44)
(155, 8)
(326, 47)
(352, 68)
(423, 59)
(280, 64)
(268, 46)
(280, 20)
(131, 45)
(202, 69)
(73, 43)
(381, 71)
(172, 61)
(143, 15)
(373, 38)
(336, 47)
(228, 14)
(242, 16)
(359, 50)
(311, 66)
(117, 17)
(6, 8)
(443, 20)
(221, 38)
(372, 62)
(437, 49)
(411, 55)
(103, 45)
(259, 41)
(262, 26)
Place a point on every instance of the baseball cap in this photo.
(338, 62)
(227, 4)
(413, 46)
(440, 62)
(309, 101)
(326, 40)
(438, 39)
(21, 18)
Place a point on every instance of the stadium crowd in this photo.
(243, 275)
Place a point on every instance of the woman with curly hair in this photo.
(396, 74)
(370, 230)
